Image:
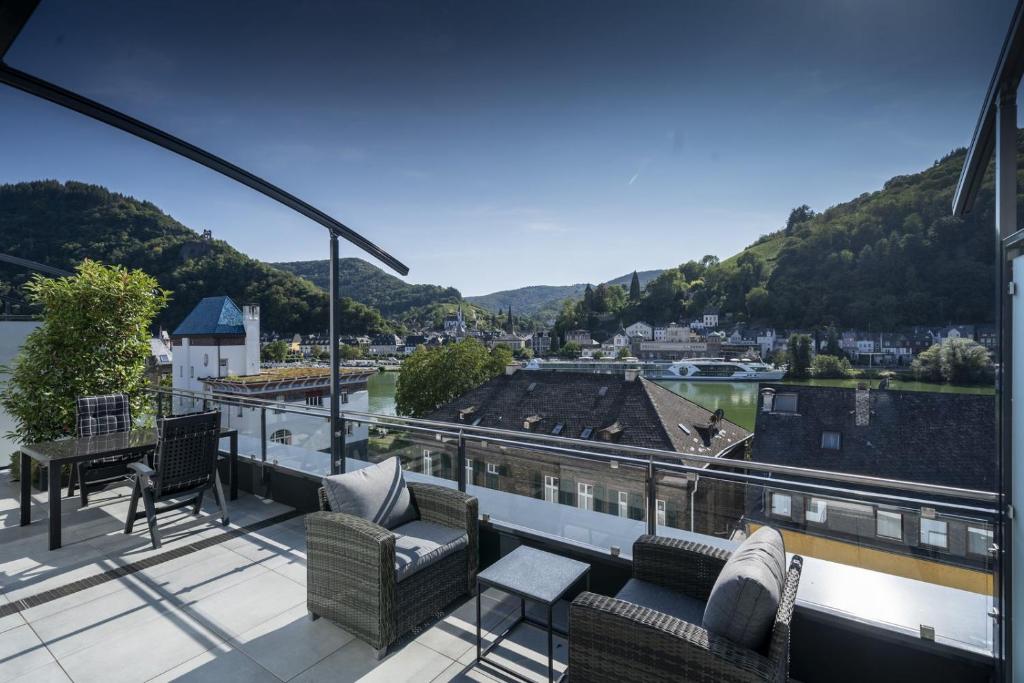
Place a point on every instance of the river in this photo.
(737, 399)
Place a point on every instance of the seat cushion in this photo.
(420, 544)
(376, 493)
(664, 600)
(746, 595)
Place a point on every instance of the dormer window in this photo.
(532, 420)
(466, 412)
(557, 429)
(784, 403)
(587, 432)
(831, 441)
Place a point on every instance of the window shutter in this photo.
(600, 498)
(636, 506)
(566, 491)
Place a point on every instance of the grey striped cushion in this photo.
(376, 493)
(745, 597)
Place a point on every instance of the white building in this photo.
(766, 342)
(676, 334)
(640, 329)
(710, 318)
(620, 340)
(659, 334)
(217, 339)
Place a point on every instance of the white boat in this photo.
(690, 369)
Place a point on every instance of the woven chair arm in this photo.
(145, 472)
(613, 640)
(684, 566)
(445, 506)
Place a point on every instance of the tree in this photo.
(598, 355)
(348, 352)
(800, 214)
(433, 377)
(624, 352)
(832, 347)
(798, 356)
(94, 339)
(830, 367)
(275, 351)
(634, 288)
(955, 360)
(569, 350)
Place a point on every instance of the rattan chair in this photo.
(614, 641)
(94, 416)
(184, 469)
(351, 573)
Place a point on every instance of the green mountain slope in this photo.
(543, 302)
(370, 285)
(61, 224)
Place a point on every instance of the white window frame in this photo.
(933, 537)
(428, 461)
(659, 512)
(469, 470)
(817, 510)
(983, 533)
(623, 504)
(892, 517)
(550, 488)
(585, 496)
(778, 511)
(492, 469)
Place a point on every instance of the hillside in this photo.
(370, 285)
(61, 224)
(886, 259)
(543, 302)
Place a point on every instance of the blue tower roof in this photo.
(213, 316)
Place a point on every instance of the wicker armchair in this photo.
(615, 641)
(184, 469)
(351, 571)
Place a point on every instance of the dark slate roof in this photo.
(213, 316)
(649, 414)
(929, 437)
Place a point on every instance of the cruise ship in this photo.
(690, 369)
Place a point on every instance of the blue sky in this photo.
(492, 145)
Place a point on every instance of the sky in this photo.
(496, 144)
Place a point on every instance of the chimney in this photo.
(511, 369)
(862, 406)
(632, 374)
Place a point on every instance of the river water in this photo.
(737, 399)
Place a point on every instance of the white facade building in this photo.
(640, 329)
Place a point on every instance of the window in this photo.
(282, 436)
(623, 504)
(889, 525)
(469, 470)
(557, 429)
(934, 533)
(781, 504)
(181, 371)
(586, 433)
(550, 488)
(659, 512)
(492, 468)
(314, 400)
(585, 497)
(830, 440)
(816, 510)
(206, 360)
(978, 540)
(428, 462)
(349, 428)
(784, 403)
(191, 371)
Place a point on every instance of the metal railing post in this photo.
(652, 492)
(263, 434)
(159, 404)
(461, 463)
(338, 465)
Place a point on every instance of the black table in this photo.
(53, 455)
(532, 575)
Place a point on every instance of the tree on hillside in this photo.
(433, 377)
(93, 340)
(832, 347)
(275, 351)
(957, 361)
(798, 356)
(634, 288)
(800, 214)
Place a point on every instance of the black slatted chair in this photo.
(94, 416)
(184, 469)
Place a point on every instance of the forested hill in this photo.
(370, 285)
(545, 301)
(60, 224)
(890, 258)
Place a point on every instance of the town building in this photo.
(640, 329)
(934, 438)
(581, 337)
(454, 324)
(659, 333)
(385, 345)
(540, 342)
(623, 409)
(710, 318)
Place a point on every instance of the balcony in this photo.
(216, 601)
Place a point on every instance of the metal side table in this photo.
(534, 575)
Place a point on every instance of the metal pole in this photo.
(652, 492)
(337, 456)
(461, 463)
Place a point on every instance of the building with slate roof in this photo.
(627, 410)
(945, 439)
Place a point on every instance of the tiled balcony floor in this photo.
(213, 604)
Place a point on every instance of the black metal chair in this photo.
(94, 416)
(184, 469)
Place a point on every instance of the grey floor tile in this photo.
(220, 664)
(246, 605)
(291, 642)
(48, 673)
(357, 662)
(21, 652)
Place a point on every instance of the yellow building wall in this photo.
(906, 566)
